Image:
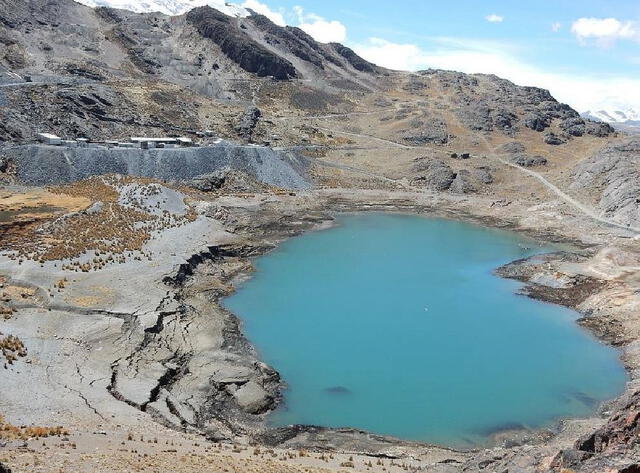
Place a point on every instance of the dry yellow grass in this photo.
(11, 348)
(114, 232)
(12, 432)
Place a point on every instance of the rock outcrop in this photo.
(241, 49)
(431, 130)
(615, 443)
(248, 122)
(553, 139)
(463, 183)
(529, 161)
(434, 173)
(614, 173)
(353, 59)
(487, 103)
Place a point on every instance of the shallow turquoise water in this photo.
(396, 324)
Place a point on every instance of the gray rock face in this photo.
(483, 174)
(239, 47)
(487, 103)
(599, 129)
(513, 147)
(528, 160)
(615, 172)
(434, 174)
(248, 122)
(432, 130)
(437, 175)
(353, 59)
(463, 183)
(574, 126)
(485, 116)
(536, 121)
(553, 139)
(42, 165)
(208, 182)
(252, 398)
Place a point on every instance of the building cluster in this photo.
(134, 142)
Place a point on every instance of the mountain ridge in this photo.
(168, 7)
(237, 62)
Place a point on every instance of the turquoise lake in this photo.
(397, 325)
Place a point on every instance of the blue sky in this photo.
(586, 52)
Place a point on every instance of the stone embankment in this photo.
(43, 165)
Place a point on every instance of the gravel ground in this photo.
(43, 164)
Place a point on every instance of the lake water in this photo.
(397, 325)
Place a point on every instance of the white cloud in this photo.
(555, 27)
(493, 18)
(605, 30)
(582, 92)
(263, 9)
(320, 29)
(405, 57)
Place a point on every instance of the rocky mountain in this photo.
(105, 73)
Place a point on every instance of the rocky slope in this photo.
(45, 165)
(103, 72)
(613, 176)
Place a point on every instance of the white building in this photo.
(49, 139)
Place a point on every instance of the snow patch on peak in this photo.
(169, 7)
(613, 116)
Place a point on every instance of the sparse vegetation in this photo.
(114, 230)
(11, 348)
(11, 432)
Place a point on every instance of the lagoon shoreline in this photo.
(254, 227)
(578, 252)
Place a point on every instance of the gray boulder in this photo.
(536, 122)
(553, 139)
(252, 398)
(513, 147)
(432, 131)
(483, 174)
(528, 160)
(574, 126)
(208, 182)
(435, 174)
(463, 183)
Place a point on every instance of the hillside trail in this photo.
(576, 204)
(494, 155)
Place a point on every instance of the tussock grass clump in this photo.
(12, 432)
(11, 348)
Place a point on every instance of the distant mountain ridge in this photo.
(629, 117)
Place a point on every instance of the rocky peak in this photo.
(237, 46)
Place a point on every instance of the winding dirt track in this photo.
(579, 206)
